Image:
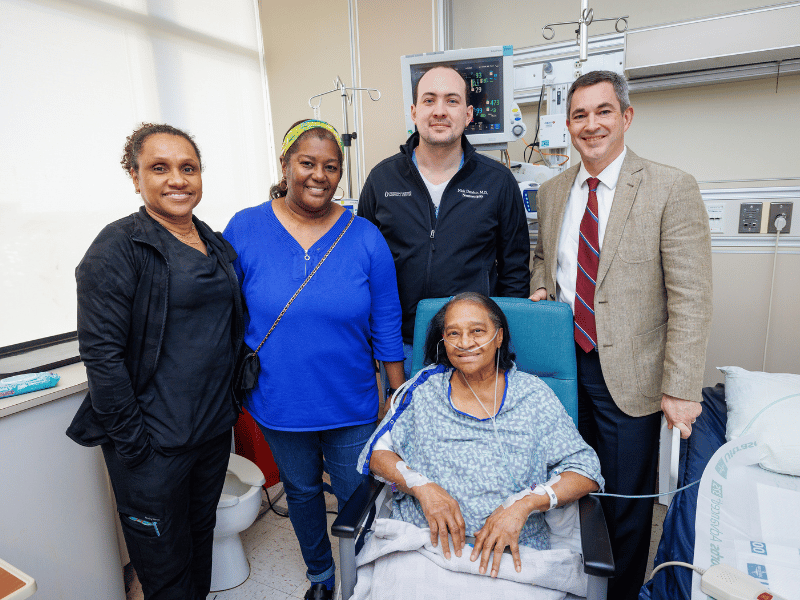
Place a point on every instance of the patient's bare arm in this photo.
(440, 509)
(504, 525)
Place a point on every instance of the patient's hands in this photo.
(501, 529)
(444, 516)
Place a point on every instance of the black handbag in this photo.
(245, 375)
(248, 365)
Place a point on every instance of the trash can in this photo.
(252, 445)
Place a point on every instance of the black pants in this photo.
(628, 451)
(168, 508)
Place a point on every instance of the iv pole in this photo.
(347, 137)
(586, 19)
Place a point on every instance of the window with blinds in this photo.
(76, 77)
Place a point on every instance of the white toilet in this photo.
(237, 509)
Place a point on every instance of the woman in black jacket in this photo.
(159, 327)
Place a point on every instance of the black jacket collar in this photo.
(144, 230)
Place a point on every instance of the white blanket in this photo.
(398, 562)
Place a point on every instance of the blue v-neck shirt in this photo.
(316, 368)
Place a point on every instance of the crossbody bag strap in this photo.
(310, 275)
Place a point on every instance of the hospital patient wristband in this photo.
(550, 493)
(540, 489)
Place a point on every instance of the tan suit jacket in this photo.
(653, 295)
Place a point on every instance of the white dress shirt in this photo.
(567, 269)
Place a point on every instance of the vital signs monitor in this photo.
(490, 76)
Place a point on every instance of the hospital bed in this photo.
(742, 515)
(678, 535)
(542, 337)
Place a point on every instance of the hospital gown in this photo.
(461, 453)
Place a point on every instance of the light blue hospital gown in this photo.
(460, 452)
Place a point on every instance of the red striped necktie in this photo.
(588, 260)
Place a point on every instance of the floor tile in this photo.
(250, 590)
(280, 504)
(275, 560)
(300, 591)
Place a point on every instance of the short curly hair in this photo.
(135, 141)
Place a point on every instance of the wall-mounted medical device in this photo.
(530, 177)
(490, 77)
(350, 204)
(553, 132)
(529, 190)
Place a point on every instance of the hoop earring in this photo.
(338, 187)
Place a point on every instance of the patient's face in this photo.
(470, 339)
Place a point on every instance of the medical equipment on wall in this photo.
(553, 132)
(586, 18)
(489, 73)
(530, 177)
(552, 140)
(529, 189)
(347, 137)
(350, 204)
(551, 128)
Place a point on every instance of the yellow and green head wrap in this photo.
(295, 132)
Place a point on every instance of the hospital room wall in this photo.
(307, 44)
(703, 130)
(707, 131)
(695, 129)
(520, 22)
(730, 131)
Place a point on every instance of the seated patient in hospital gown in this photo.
(477, 448)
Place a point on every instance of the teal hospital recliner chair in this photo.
(542, 337)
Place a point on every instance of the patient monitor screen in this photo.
(485, 82)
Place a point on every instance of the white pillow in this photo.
(768, 405)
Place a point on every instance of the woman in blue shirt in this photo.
(317, 400)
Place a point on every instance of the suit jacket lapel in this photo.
(630, 177)
(561, 195)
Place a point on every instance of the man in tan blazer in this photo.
(642, 311)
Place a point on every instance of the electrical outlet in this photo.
(780, 208)
(750, 217)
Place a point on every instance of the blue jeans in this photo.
(301, 457)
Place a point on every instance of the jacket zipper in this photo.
(433, 221)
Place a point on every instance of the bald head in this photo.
(437, 78)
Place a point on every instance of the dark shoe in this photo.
(318, 591)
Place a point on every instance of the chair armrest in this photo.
(356, 509)
(595, 543)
